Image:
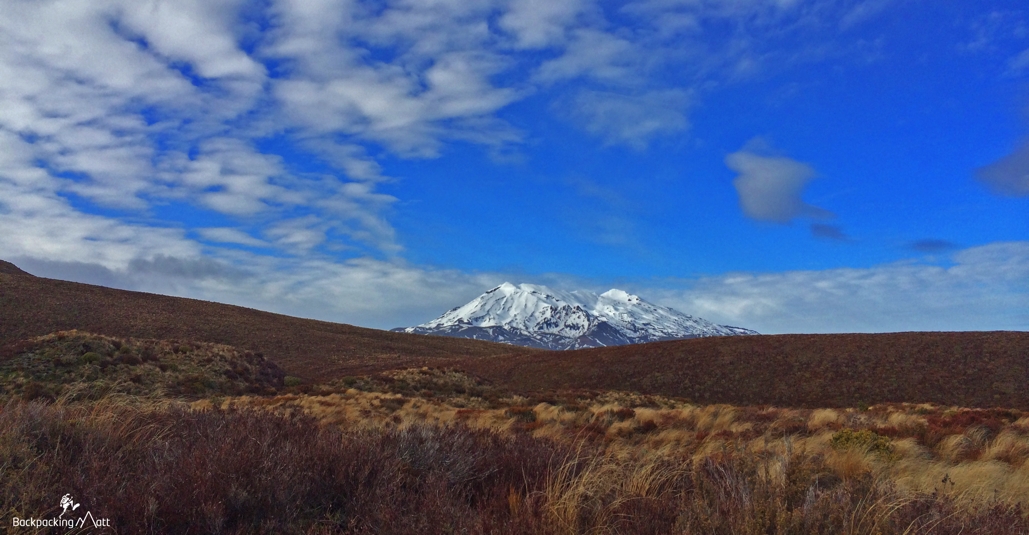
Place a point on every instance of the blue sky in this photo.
(787, 165)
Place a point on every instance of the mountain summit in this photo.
(536, 316)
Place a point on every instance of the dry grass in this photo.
(982, 455)
(349, 460)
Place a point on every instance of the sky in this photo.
(789, 166)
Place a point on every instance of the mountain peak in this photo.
(537, 316)
(620, 295)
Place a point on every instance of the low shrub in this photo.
(82, 365)
(865, 439)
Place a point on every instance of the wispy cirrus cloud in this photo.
(630, 119)
(538, 24)
(1020, 63)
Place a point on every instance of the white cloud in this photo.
(196, 32)
(443, 57)
(44, 226)
(981, 288)
(540, 23)
(299, 235)
(631, 119)
(409, 114)
(137, 104)
(230, 235)
(770, 187)
(229, 176)
(596, 55)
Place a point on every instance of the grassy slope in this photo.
(970, 369)
(33, 306)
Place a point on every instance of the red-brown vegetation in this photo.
(968, 369)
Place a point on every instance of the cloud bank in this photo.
(988, 286)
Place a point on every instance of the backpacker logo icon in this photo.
(67, 504)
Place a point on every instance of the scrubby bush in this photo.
(149, 368)
(128, 359)
(865, 439)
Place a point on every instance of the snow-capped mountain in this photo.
(536, 316)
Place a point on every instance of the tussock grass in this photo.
(908, 448)
(439, 451)
(352, 462)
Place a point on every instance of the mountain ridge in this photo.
(537, 316)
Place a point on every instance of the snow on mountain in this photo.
(537, 316)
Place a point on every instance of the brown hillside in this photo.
(971, 369)
(315, 350)
(7, 268)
